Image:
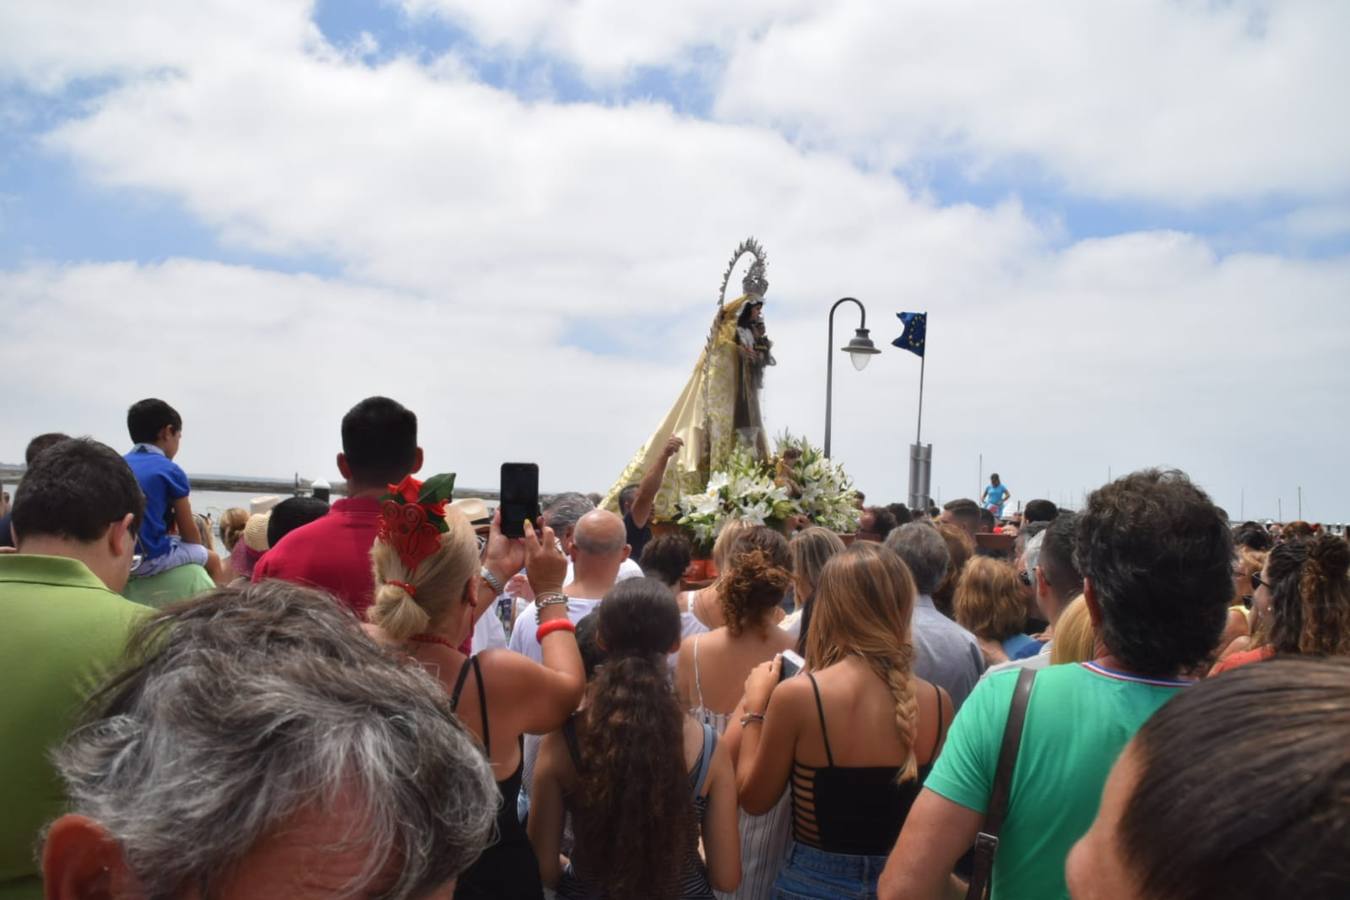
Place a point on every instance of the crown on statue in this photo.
(754, 283)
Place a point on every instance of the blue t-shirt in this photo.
(162, 481)
(1020, 646)
(994, 495)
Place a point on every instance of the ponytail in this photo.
(397, 613)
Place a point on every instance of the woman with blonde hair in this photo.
(1237, 634)
(810, 549)
(989, 604)
(1075, 639)
(429, 590)
(232, 523)
(854, 739)
(701, 610)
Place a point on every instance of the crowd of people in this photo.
(389, 697)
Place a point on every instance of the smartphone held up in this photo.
(519, 497)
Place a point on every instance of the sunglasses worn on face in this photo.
(1257, 582)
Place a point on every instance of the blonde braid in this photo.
(895, 671)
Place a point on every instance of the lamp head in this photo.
(860, 349)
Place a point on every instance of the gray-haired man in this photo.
(944, 653)
(261, 746)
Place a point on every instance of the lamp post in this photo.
(860, 351)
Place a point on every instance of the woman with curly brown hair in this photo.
(701, 610)
(1300, 602)
(642, 780)
(711, 669)
(855, 771)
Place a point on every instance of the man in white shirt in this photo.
(599, 545)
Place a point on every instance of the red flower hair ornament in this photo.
(412, 517)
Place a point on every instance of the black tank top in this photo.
(508, 867)
(856, 810)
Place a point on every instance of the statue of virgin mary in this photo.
(718, 409)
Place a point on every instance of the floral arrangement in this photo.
(827, 495)
(800, 483)
(743, 489)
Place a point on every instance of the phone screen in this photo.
(792, 664)
(519, 497)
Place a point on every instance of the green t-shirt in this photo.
(170, 586)
(62, 630)
(1078, 720)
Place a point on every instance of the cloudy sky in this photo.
(1129, 223)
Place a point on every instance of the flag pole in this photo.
(918, 431)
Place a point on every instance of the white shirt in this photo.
(488, 633)
(627, 569)
(523, 641)
(523, 632)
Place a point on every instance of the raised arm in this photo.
(549, 693)
(767, 739)
(641, 511)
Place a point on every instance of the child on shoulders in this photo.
(157, 430)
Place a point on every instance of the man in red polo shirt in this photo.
(379, 448)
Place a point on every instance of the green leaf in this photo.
(437, 488)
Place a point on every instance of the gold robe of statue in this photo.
(718, 406)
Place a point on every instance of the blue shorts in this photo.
(179, 554)
(812, 873)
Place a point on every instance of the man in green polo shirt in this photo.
(76, 515)
(1156, 559)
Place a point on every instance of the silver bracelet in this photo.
(543, 601)
(492, 581)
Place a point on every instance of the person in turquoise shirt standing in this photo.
(1156, 559)
(76, 516)
(996, 494)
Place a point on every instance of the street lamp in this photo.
(860, 351)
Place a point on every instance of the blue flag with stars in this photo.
(916, 328)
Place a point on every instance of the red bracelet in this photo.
(549, 627)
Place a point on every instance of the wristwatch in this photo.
(492, 581)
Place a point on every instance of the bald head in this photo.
(601, 533)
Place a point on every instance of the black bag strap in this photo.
(986, 842)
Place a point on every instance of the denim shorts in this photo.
(811, 874)
(180, 554)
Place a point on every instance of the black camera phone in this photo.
(519, 497)
(792, 664)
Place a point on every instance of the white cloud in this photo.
(1175, 103)
(607, 40)
(474, 231)
(49, 44)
